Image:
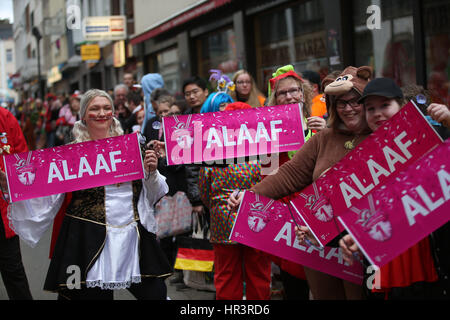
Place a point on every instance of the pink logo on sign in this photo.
(318, 205)
(259, 215)
(25, 171)
(375, 223)
(183, 132)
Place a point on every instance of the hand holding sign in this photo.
(349, 248)
(150, 161)
(234, 200)
(4, 186)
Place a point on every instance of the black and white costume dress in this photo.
(108, 232)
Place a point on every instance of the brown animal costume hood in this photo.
(350, 78)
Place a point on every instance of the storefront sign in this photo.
(268, 225)
(396, 144)
(222, 135)
(73, 167)
(105, 28)
(398, 214)
(90, 52)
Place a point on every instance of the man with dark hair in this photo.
(319, 107)
(195, 92)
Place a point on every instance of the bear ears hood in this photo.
(350, 78)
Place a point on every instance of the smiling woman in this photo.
(107, 232)
(97, 122)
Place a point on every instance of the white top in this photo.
(117, 266)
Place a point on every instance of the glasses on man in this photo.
(341, 104)
(194, 92)
(294, 92)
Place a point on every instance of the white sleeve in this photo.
(154, 188)
(31, 218)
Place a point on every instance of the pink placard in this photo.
(397, 143)
(73, 167)
(268, 225)
(215, 136)
(411, 205)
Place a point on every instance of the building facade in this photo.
(408, 40)
(7, 64)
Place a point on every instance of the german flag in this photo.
(194, 254)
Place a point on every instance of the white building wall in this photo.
(149, 14)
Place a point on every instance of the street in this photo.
(36, 263)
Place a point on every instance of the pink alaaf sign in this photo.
(215, 136)
(73, 167)
(407, 208)
(268, 225)
(392, 147)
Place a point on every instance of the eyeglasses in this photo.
(187, 94)
(341, 104)
(241, 82)
(294, 92)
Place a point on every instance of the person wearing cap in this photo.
(108, 232)
(412, 274)
(382, 98)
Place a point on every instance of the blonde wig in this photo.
(80, 131)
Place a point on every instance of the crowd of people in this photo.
(119, 248)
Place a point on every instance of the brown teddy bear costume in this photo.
(351, 78)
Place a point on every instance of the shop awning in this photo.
(178, 20)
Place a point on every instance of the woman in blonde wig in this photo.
(107, 233)
(246, 90)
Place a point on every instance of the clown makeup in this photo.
(379, 109)
(98, 116)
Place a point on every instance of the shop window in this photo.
(290, 35)
(390, 48)
(166, 64)
(437, 44)
(217, 50)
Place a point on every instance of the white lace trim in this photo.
(113, 285)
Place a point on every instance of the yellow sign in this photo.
(90, 52)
